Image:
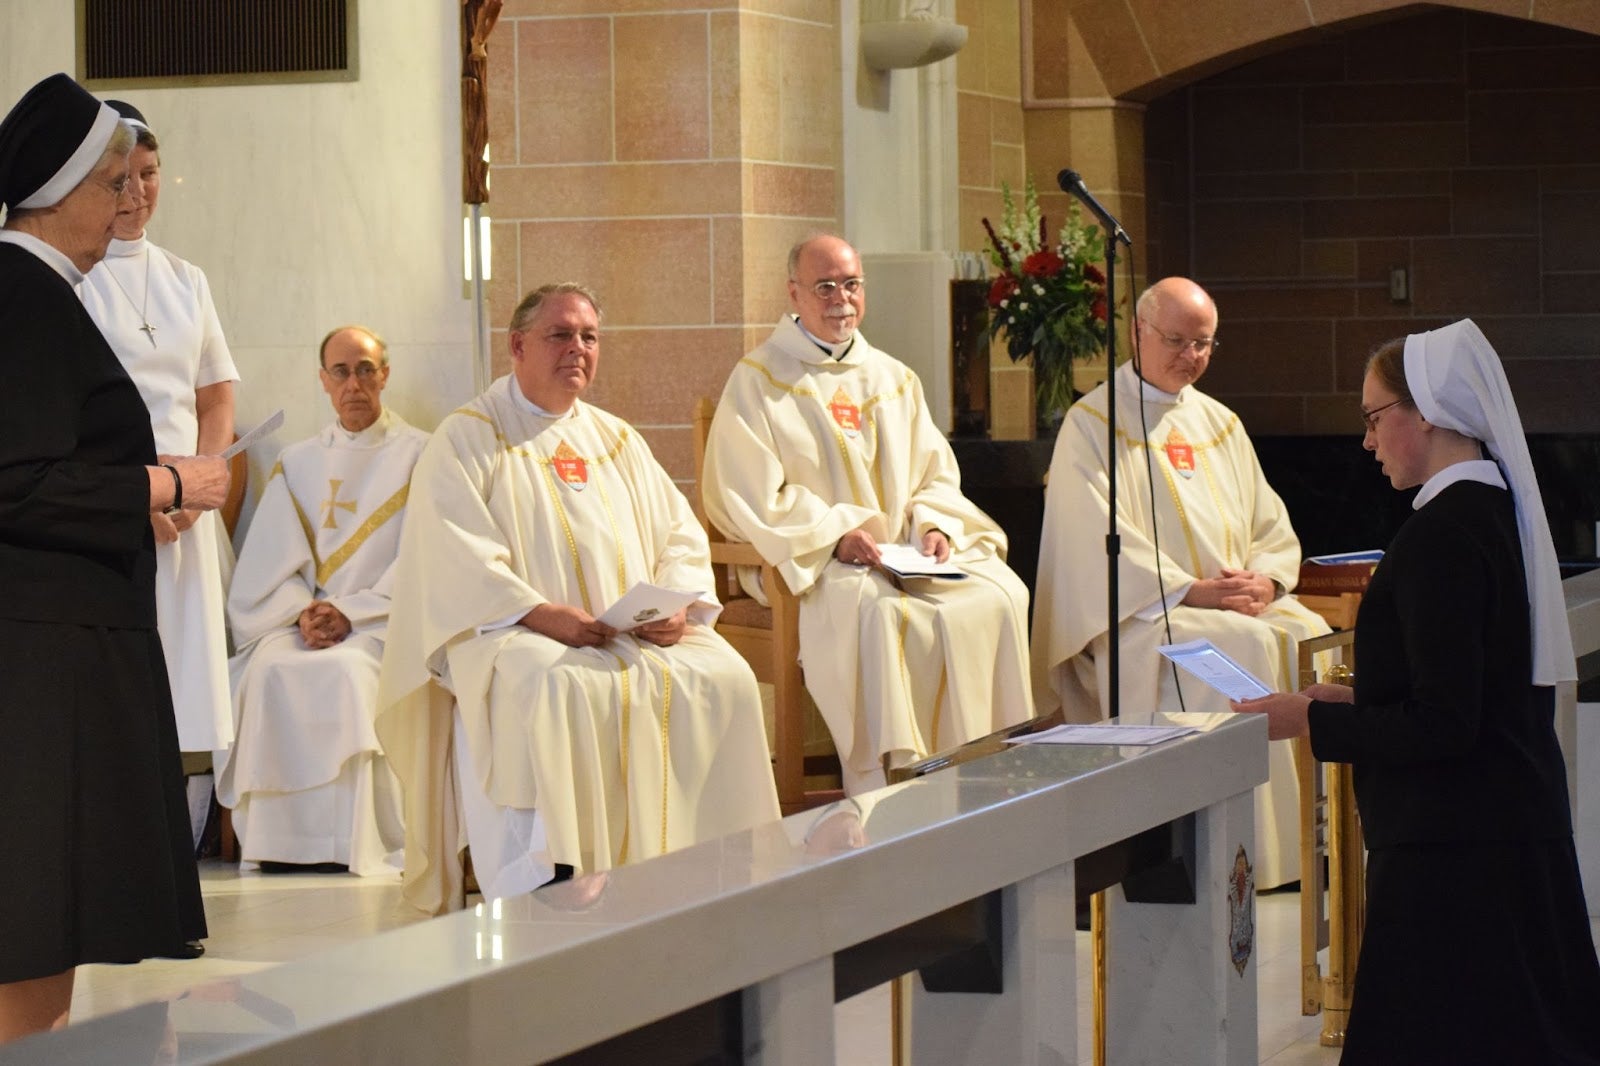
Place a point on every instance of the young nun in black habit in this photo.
(1477, 946)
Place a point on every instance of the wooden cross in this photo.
(477, 22)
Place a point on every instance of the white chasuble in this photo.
(306, 778)
(139, 284)
(1212, 508)
(805, 448)
(626, 750)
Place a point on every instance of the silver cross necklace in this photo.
(146, 328)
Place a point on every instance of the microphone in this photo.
(1071, 182)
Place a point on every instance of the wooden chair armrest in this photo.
(727, 553)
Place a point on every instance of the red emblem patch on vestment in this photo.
(1180, 453)
(570, 467)
(845, 413)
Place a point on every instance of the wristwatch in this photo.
(177, 489)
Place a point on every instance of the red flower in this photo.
(1093, 273)
(1098, 308)
(1042, 264)
(1004, 287)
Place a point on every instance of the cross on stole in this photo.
(332, 504)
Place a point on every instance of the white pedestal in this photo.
(1173, 993)
(1034, 1021)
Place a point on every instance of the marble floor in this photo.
(259, 920)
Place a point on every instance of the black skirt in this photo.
(98, 857)
(1475, 953)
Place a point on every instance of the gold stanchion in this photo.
(1347, 899)
(1097, 936)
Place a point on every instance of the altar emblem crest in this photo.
(1241, 911)
(845, 413)
(570, 467)
(1180, 453)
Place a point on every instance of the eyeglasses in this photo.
(1370, 418)
(561, 338)
(826, 290)
(1175, 343)
(341, 373)
(115, 188)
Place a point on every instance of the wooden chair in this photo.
(238, 485)
(769, 639)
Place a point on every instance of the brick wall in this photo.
(1456, 146)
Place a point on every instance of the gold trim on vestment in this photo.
(572, 541)
(938, 706)
(1183, 520)
(527, 453)
(666, 720)
(373, 523)
(1235, 561)
(1134, 442)
(299, 512)
(905, 672)
(627, 726)
(616, 536)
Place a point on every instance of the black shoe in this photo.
(192, 949)
(270, 866)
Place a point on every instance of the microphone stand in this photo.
(1113, 539)
(1071, 182)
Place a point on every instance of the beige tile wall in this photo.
(667, 154)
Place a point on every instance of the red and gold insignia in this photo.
(570, 467)
(1180, 453)
(845, 413)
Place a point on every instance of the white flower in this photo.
(1038, 290)
(1005, 303)
(1022, 307)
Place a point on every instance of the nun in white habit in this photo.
(156, 312)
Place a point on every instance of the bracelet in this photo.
(177, 489)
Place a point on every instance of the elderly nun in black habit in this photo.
(96, 858)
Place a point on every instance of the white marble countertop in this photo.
(531, 977)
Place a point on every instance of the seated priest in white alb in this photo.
(822, 451)
(566, 743)
(1212, 536)
(309, 606)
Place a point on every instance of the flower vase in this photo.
(1053, 394)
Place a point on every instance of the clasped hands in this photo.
(1244, 591)
(1289, 713)
(858, 548)
(577, 628)
(322, 625)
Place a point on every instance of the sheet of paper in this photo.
(908, 561)
(1107, 733)
(1206, 661)
(1371, 556)
(273, 421)
(646, 603)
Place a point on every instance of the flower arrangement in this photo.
(1050, 299)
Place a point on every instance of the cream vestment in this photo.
(305, 777)
(805, 448)
(1213, 509)
(625, 750)
(186, 351)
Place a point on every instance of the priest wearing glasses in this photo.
(306, 778)
(1207, 550)
(821, 453)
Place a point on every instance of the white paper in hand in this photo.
(907, 560)
(273, 421)
(646, 603)
(1206, 661)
